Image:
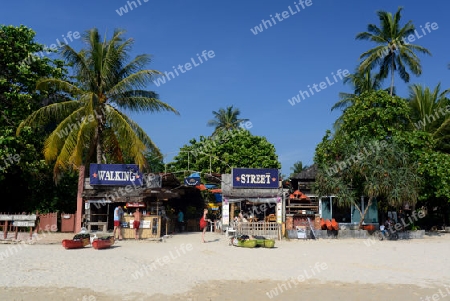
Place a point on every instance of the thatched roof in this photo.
(307, 174)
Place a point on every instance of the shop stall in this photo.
(112, 185)
(150, 225)
(258, 194)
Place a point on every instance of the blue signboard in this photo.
(115, 174)
(192, 181)
(255, 178)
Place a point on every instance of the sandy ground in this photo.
(183, 268)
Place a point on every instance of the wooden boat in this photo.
(323, 225)
(334, 224)
(79, 241)
(103, 242)
(328, 224)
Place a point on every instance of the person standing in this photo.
(180, 220)
(118, 216)
(204, 223)
(136, 223)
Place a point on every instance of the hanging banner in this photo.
(115, 174)
(279, 211)
(225, 212)
(192, 181)
(255, 178)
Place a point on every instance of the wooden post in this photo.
(5, 230)
(16, 230)
(79, 212)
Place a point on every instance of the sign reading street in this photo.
(115, 174)
(255, 178)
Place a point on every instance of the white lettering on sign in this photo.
(116, 175)
(255, 179)
(23, 224)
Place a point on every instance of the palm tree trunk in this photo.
(98, 133)
(99, 147)
(392, 75)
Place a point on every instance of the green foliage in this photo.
(222, 152)
(25, 183)
(429, 113)
(377, 115)
(226, 119)
(393, 52)
(435, 168)
(371, 154)
(155, 162)
(92, 127)
(297, 168)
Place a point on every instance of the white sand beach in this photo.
(183, 268)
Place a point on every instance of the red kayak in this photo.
(103, 243)
(328, 224)
(75, 243)
(323, 225)
(78, 241)
(334, 224)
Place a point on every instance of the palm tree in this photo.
(429, 110)
(226, 119)
(298, 167)
(92, 124)
(393, 52)
(361, 82)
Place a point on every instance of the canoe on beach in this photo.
(103, 243)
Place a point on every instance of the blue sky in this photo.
(256, 73)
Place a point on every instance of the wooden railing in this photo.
(266, 229)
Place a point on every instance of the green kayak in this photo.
(249, 243)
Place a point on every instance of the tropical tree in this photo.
(374, 154)
(219, 154)
(360, 82)
(384, 172)
(226, 119)
(298, 167)
(25, 179)
(429, 111)
(393, 52)
(92, 125)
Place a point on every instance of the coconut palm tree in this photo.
(393, 52)
(429, 110)
(92, 125)
(360, 82)
(226, 119)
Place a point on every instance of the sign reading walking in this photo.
(115, 174)
(255, 178)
